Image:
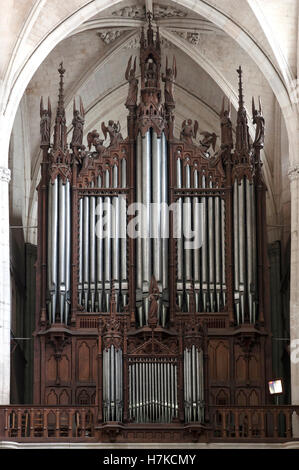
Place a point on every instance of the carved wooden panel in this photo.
(218, 351)
(51, 397)
(83, 362)
(64, 369)
(51, 368)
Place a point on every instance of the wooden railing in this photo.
(250, 423)
(235, 423)
(37, 422)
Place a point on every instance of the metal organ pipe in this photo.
(245, 261)
(164, 228)
(52, 246)
(153, 384)
(59, 249)
(67, 251)
(193, 384)
(112, 384)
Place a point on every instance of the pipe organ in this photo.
(152, 274)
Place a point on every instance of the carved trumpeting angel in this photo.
(188, 131)
(133, 83)
(259, 120)
(78, 123)
(209, 140)
(113, 129)
(45, 122)
(226, 125)
(169, 79)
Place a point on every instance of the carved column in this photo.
(4, 289)
(294, 292)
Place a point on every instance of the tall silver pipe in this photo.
(80, 284)
(86, 250)
(222, 207)
(139, 238)
(61, 263)
(193, 380)
(241, 243)
(236, 249)
(157, 199)
(204, 250)
(107, 251)
(146, 199)
(67, 251)
(52, 247)
(99, 248)
(180, 241)
(211, 217)
(92, 251)
(187, 221)
(254, 253)
(164, 225)
(123, 240)
(196, 256)
(217, 250)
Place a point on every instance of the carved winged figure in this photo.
(188, 131)
(78, 123)
(113, 129)
(169, 79)
(226, 125)
(45, 122)
(133, 83)
(91, 136)
(259, 121)
(208, 141)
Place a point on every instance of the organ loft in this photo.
(150, 338)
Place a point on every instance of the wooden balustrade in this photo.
(263, 423)
(47, 422)
(254, 422)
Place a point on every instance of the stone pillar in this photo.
(4, 289)
(294, 293)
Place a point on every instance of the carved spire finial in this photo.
(60, 123)
(242, 131)
(241, 97)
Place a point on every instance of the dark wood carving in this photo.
(69, 357)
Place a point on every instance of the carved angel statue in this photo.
(45, 122)
(150, 74)
(259, 120)
(113, 129)
(226, 125)
(169, 79)
(133, 83)
(188, 131)
(153, 298)
(78, 123)
(208, 141)
(93, 138)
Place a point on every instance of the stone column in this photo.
(294, 293)
(4, 289)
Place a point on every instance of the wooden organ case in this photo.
(145, 330)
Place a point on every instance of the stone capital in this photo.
(293, 172)
(4, 174)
